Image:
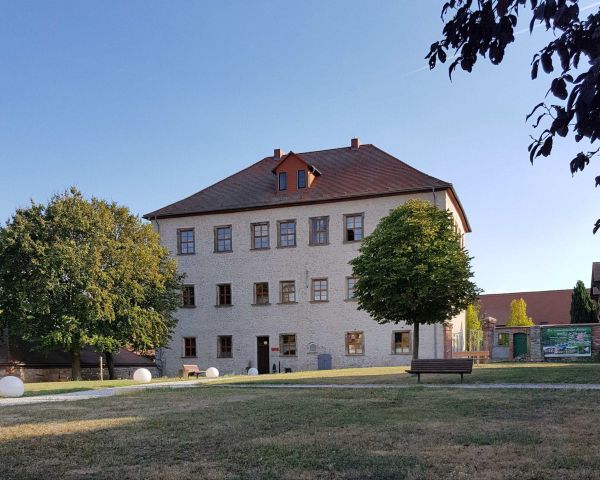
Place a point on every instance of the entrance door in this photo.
(519, 344)
(262, 354)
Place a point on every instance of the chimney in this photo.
(354, 144)
(278, 153)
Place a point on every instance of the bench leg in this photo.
(461, 378)
(418, 378)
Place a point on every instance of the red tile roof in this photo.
(345, 174)
(545, 307)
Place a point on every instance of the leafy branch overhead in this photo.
(484, 28)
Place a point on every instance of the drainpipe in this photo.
(435, 342)
(434, 197)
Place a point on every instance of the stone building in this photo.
(265, 255)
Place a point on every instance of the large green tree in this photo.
(583, 309)
(78, 272)
(485, 28)
(413, 269)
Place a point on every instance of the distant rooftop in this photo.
(544, 307)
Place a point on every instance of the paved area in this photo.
(100, 393)
(109, 392)
(464, 386)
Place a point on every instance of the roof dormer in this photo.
(293, 173)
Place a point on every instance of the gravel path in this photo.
(100, 393)
(109, 392)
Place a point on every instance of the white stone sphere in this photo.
(212, 372)
(252, 371)
(11, 387)
(142, 375)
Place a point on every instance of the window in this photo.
(503, 339)
(319, 290)
(319, 230)
(350, 282)
(223, 239)
(401, 343)
(301, 178)
(224, 294)
(260, 235)
(187, 295)
(224, 346)
(287, 345)
(185, 241)
(288, 291)
(282, 181)
(287, 233)
(189, 346)
(354, 227)
(355, 343)
(261, 293)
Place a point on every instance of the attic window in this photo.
(282, 181)
(301, 178)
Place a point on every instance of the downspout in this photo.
(434, 197)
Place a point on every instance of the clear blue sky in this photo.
(145, 102)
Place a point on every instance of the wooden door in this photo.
(262, 354)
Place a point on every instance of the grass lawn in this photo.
(51, 388)
(214, 433)
(490, 373)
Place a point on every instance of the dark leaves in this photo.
(485, 29)
(559, 88)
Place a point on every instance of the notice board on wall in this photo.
(567, 341)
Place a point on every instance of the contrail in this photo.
(519, 32)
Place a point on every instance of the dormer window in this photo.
(301, 178)
(282, 181)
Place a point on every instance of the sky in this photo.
(146, 102)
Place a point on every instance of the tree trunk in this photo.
(110, 364)
(76, 365)
(415, 341)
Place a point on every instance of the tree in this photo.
(413, 269)
(77, 273)
(583, 309)
(518, 314)
(474, 330)
(486, 27)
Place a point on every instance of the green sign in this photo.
(567, 341)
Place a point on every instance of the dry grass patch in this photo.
(216, 433)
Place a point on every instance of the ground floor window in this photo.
(224, 346)
(287, 345)
(189, 346)
(503, 339)
(401, 343)
(355, 343)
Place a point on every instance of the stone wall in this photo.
(534, 343)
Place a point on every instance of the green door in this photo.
(519, 344)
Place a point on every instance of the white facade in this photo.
(319, 327)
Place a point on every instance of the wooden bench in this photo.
(188, 370)
(451, 365)
(482, 355)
